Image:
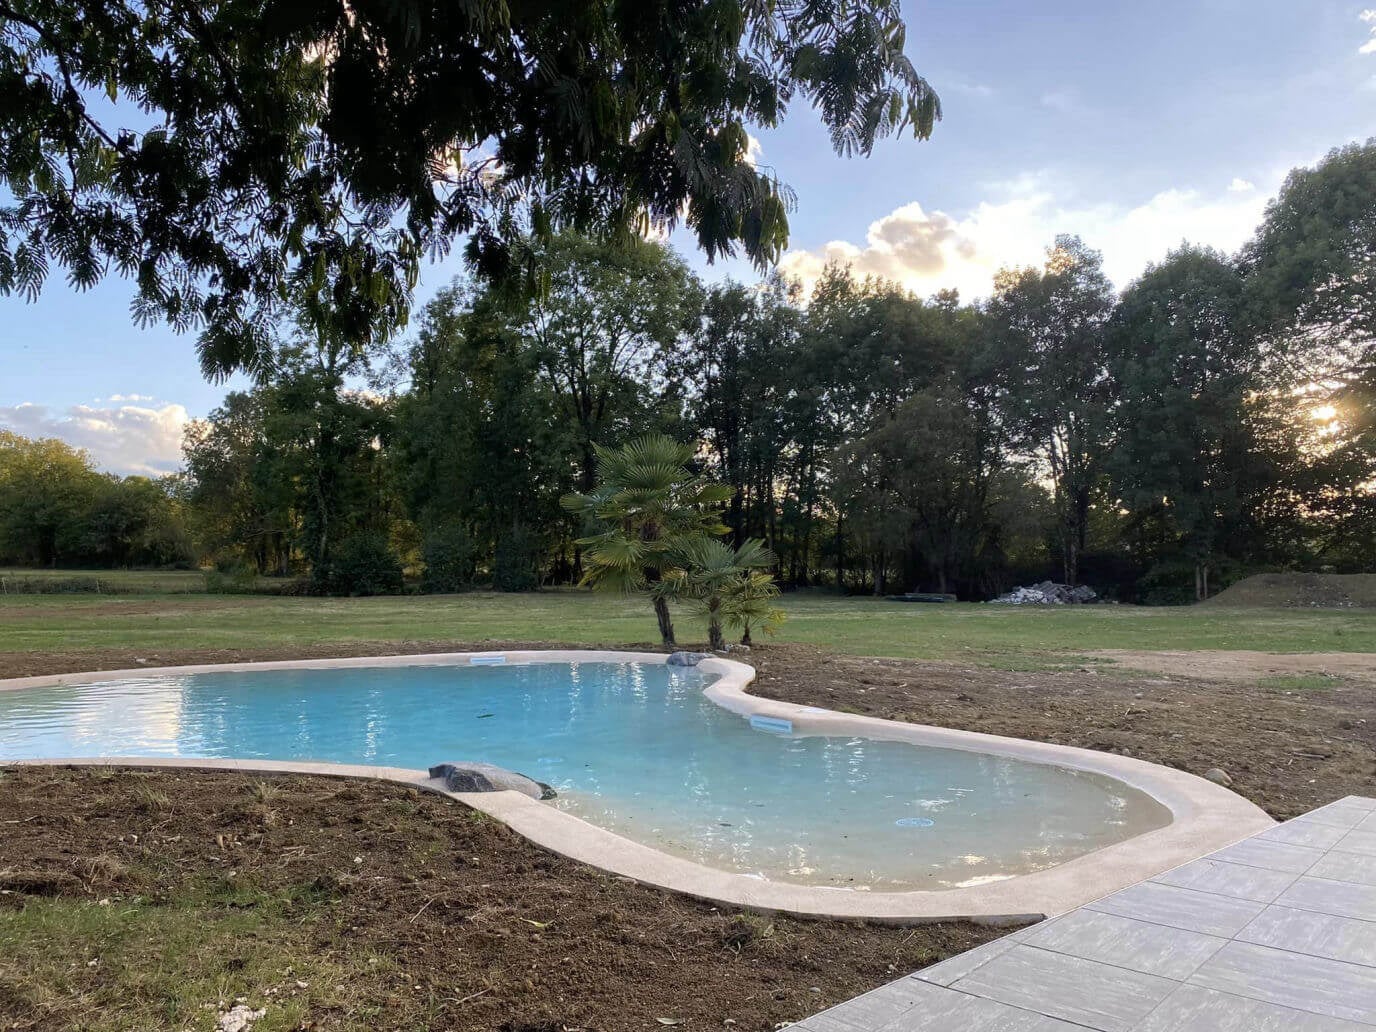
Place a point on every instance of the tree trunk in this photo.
(1072, 560)
(666, 625)
(840, 557)
(715, 639)
(745, 635)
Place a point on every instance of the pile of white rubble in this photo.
(1048, 593)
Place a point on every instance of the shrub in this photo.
(515, 564)
(362, 565)
(231, 577)
(451, 561)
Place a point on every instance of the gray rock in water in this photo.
(686, 658)
(1218, 776)
(488, 777)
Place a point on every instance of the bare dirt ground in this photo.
(1246, 666)
(365, 905)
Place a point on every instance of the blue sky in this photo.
(1135, 125)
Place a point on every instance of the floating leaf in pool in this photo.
(914, 822)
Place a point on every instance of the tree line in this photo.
(1214, 418)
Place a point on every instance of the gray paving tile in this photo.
(1367, 802)
(1301, 832)
(1236, 880)
(1127, 943)
(877, 1007)
(1338, 816)
(1346, 867)
(946, 1010)
(1273, 856)
(1080, 991)
(1180, 908)
(1363, 842)
(1194, 1009)
(962, 964)
(826, 1021)
(1342, 899)
(1292, 980)
(1319, 935)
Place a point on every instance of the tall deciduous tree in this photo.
(742, 364)
(1311, 277)
(215, 151)
(1051, 324)
(46, 489)
(603, 334)
(1185, 376)
(480, 443)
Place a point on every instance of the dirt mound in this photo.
(1301, 591)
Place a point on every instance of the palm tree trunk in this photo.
(666, 625)
(715, 639)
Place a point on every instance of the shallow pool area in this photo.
(632, 747)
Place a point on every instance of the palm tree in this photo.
(711, 573)
(651, 506)
(749, 601)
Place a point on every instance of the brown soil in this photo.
(485, 930)
(1302, 591)
(1243, 665)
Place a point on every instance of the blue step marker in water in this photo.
(914, 822)
(772, 725)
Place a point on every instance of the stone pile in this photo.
(1049, 593)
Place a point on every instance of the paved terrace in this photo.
(1274, 934)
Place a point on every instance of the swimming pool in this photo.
(637, 748)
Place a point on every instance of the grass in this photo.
(15, 580)
(1009, 637)
(116, 965)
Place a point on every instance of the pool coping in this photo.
(1205, 816)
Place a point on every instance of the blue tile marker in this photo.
(914, 822)
(486, 660)
(772, 725)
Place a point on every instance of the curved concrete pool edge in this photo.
(1205, 816)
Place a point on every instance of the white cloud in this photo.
(929, 251)
(121, 438)
(1369, 47)
(973, 89)
(1241, 186)
(753, 150)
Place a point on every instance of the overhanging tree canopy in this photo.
(219, 152)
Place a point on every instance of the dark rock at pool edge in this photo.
(686, 658)
(488, 777)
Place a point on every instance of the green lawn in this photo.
(14, 580)
(1000, 635)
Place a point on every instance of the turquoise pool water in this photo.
(633, 748)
